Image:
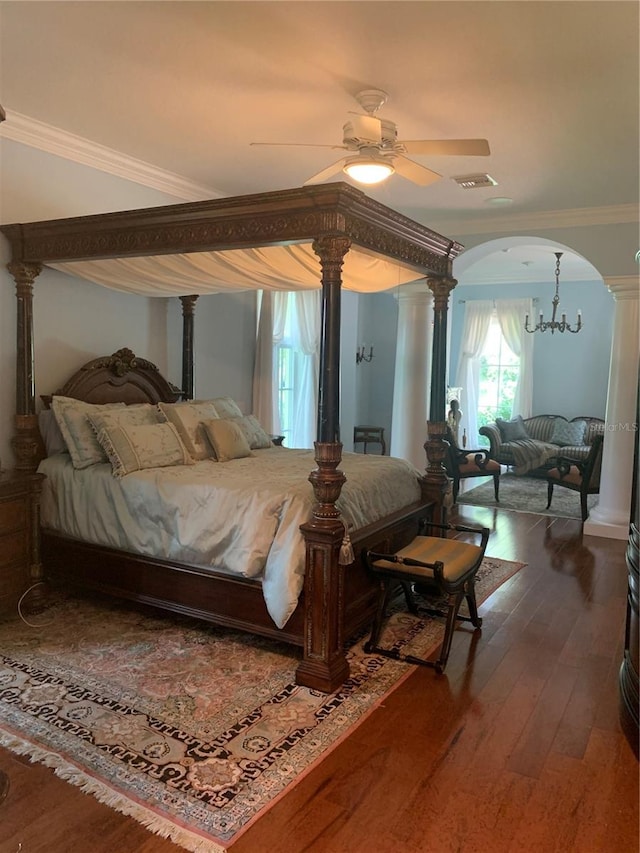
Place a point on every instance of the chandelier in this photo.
(555, 325)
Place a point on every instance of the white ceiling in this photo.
(186, 86)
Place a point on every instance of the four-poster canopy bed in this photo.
(336, 600)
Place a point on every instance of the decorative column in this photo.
(188, 310)
(324, 666)
(26, 442)
(437, 484)
(412, 374)
(610, 518)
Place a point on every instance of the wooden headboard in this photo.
(118, 378)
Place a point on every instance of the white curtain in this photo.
(306, 338)
(477, 318)
(293, 318)
(511, 314)
(265, 400)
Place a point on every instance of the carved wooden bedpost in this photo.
(324, 666)
(437, 483)
(26, 442)
(188, 310)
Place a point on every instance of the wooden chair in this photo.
(582, 477)
(438, 566)
(462, 463)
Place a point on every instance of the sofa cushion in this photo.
(513, 430)
(568, 433)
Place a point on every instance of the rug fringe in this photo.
(118, 802)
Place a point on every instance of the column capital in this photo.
(623, 287)
(441, 288)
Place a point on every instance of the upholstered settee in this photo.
(544, 438)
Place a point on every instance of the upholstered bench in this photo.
(433, 565)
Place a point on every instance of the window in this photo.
(499, 371)
(289, 369)
(296, 363)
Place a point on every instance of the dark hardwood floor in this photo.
(516, 748)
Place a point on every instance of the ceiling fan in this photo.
(375, 152)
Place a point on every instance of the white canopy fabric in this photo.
(294, 267)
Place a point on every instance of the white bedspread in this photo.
(243, 515)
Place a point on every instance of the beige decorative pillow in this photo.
(72, 417)
(252, 430)
(227, 439)
(134, 415)
(135, 448)
(187, 419)
(226, 407)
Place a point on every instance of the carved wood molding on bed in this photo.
(120, 377)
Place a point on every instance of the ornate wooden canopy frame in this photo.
(333, 217)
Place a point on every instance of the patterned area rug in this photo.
(193, 730)
(527, 494)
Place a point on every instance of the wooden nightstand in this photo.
(20, 565)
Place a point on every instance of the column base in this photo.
(606, 530)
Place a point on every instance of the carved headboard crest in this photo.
(120, 377)
(121, 362)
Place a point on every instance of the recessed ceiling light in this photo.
(499, 201)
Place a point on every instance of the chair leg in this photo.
(549, 493)
(455, 489)
(496, 486)
(470, 594)
(454, 605)
(583, 505)
(378, 620)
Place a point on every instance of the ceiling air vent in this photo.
(470, 182)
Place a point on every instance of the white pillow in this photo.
(253, 432)
(72, 417)
(187, 419)
(227, 439)
(226, 407)
(134, 415)
(135, 448)
(50, 431)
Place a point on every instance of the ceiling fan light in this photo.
(368, 171)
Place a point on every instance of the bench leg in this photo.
(378, 620)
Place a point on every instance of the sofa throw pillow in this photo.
(252, 430)
(72, 417)
(568, 434)
(227, 439)
(187, 419)
(513, 430)
(135, 448)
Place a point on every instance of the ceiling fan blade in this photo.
(326, 173)
(301, 145)
(438, 147)
(414, 171)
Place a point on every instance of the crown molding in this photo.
(614, 214)
(53, 140)
(623, 286)
(45, 137)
